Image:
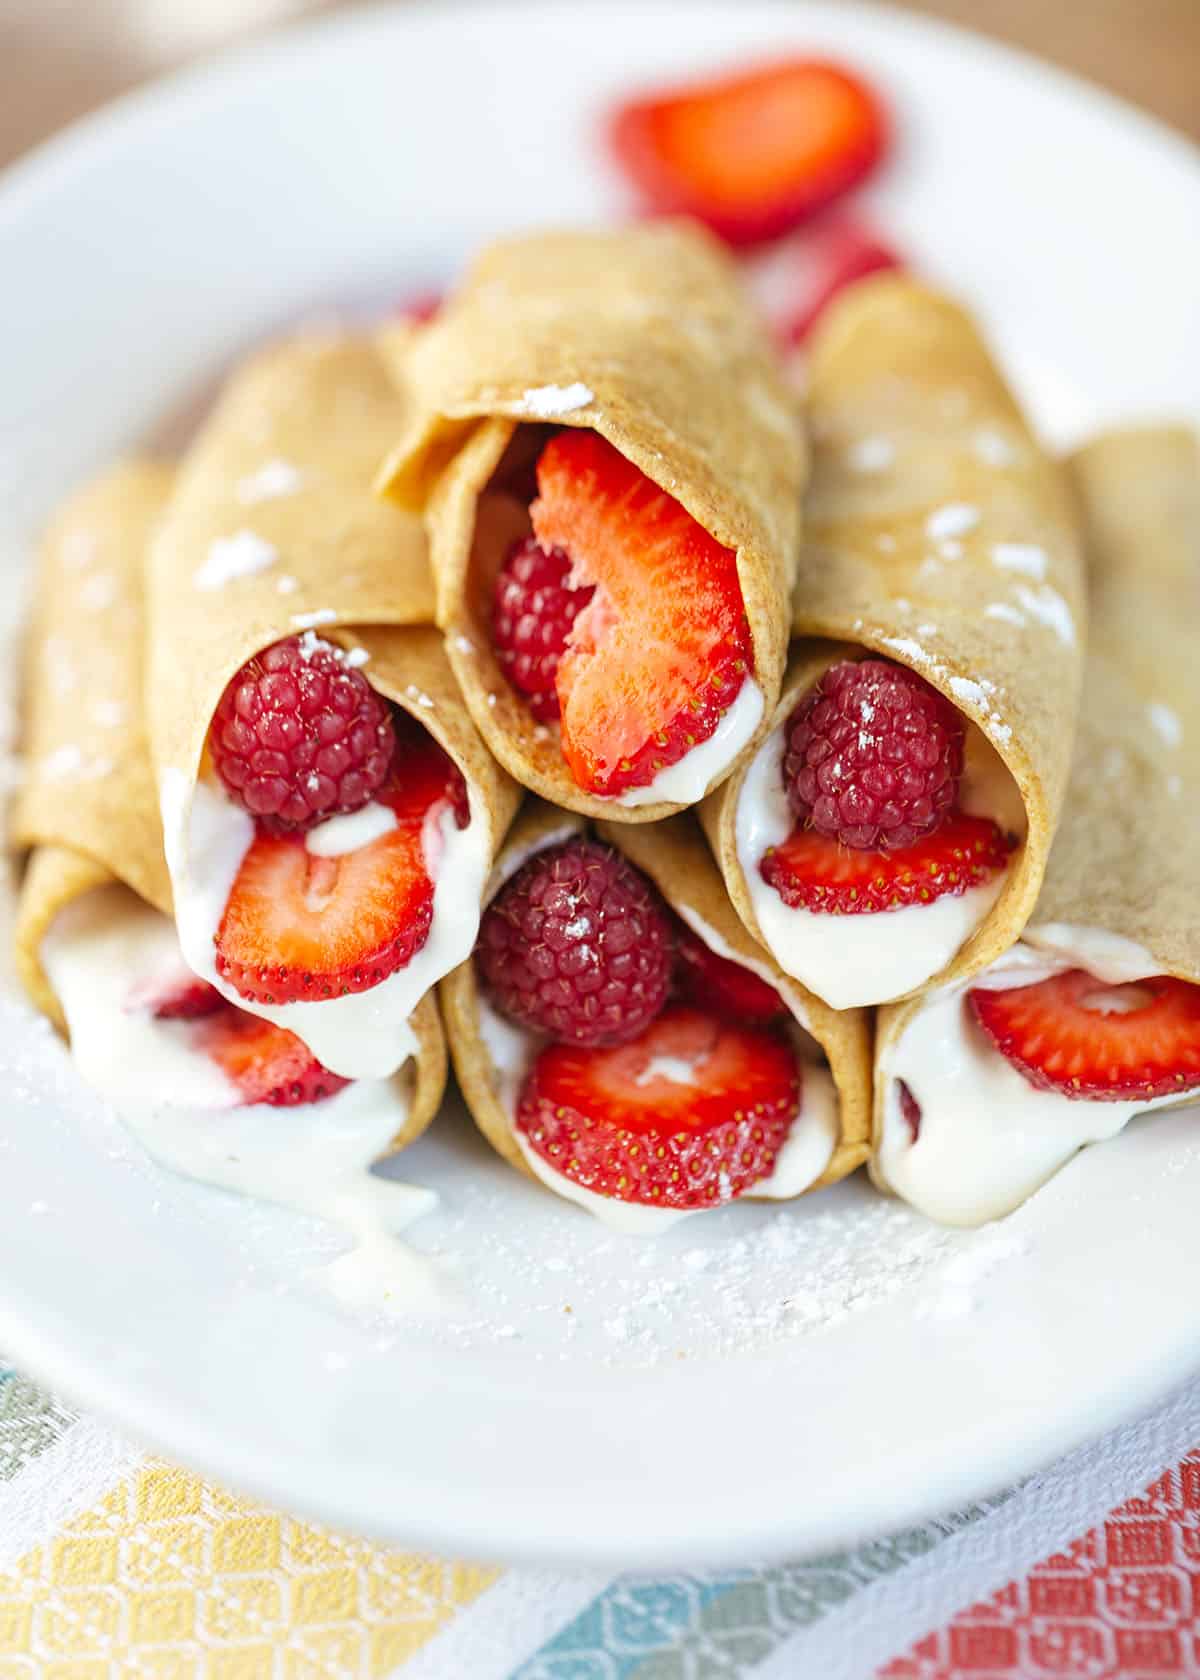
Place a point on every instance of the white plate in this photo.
(762, 1381)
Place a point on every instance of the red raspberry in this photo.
(874, 756)
(533, 610)
(299, 736)
(578, 945)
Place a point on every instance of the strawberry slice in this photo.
(755, 153)
(1085, 1039)
(811, 872)
(420, 308)
(721, 986)
(299, 928)
(662, 649)
(267, 1063)
(690, 1114)
(801, 282)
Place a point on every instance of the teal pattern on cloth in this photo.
(712, 1626)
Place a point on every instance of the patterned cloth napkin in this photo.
(113, 1565)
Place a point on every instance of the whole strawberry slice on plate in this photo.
(660, 651)
(690, 1114)
(755, 153)
(722, 987)
(1095, 1042)
(267, 1063)
(300, 927)
(813, 871)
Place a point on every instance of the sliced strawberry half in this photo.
(752, 154)
(812, 872)
(691, 1114)
(662, 649)
(267, 1063)
(299, 928)
(1085, 1039)
(721, 986)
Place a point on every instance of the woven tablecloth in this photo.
(115, 1565)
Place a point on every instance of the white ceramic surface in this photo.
(763, 1380)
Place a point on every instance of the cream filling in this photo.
(688, 781)
(107, 951)
(365, 1035)
(988, 1138)
(871, 958)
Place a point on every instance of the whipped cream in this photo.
(873, 957)
(988, 1138)
(365, 1035)
(109, 950)
(688, 781)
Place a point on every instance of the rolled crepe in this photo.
(939, 536)
(88, 815)
(674, 856)
(273, 530)
(644, 335)
(1119, 897)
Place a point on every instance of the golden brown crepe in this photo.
(87, 810)
(646, 336)
(940, 536)
(675, 857)
(1125, 857)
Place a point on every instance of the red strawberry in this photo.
(721, 986)
(1078, 1036)
(419, 308)
(267, 1063)
(662, 649)
(301, 928)
(613, 1121)
(752, 154)
(811, 872)
(183, 999)
(819, 265)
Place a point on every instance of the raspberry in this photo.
(578, 945)
(873, 756)
(299, 736)
(533, 610)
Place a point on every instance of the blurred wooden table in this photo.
(59, 58)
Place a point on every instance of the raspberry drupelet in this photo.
(873, 756)
(533, 609)
(578, 945)
(299, 735)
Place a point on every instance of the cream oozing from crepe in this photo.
(108, 955)
(805, 1154)
(873, 957)
(500, 521)
(364, 1035)
(988, 1138)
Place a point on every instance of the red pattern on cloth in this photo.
(1121, 1603)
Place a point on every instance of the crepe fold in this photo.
(938, 535)
(1124, 860)
(646, 336)
(87, 810)
(674, 856)
(238, 565)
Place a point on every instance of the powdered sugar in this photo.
(272, 480)
(1165, 722)
(1049, 608)
(548, 402)
(870, 455)
(953, 520)
(1026, 558)
(1004, 611)
(306, 621)
(241, 555)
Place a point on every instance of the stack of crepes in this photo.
(553, 542)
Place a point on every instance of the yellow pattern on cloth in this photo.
(169, 1578)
